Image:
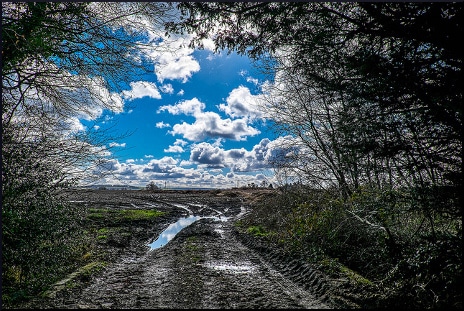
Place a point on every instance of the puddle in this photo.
(170, 232)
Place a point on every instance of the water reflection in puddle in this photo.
(170, 232)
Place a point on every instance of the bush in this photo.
(388, 235)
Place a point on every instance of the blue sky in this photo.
(194, 122)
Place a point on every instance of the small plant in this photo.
(352, 275)
(103, 230)
(137, 214)
(257, 231)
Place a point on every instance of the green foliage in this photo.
(376, 237)
(38, 236)
(37, 31)
(61, 47)
(257, 231)
(137, 214)
(118, 215)
(91, 268)
(103, 230)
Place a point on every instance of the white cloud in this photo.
(161, 124)
(148, 156)
(114, 144)
(209, 166)
(207, 124)
(181, 92)
(241, 160)
(204, 153)
(167, 88)
(252, 80)
(241, 103)
(74, 125)
(141, 89)
(180, 142)
(173, 59)
(208, 44)
(180, 68)
(210, 125)
(188, 107)
(174, 149)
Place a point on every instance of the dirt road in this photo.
(208, 264)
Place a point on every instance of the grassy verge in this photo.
(380, 239)
(103, 234)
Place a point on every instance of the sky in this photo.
(193, 122)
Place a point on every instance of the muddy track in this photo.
(209, 264)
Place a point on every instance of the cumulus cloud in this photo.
(164, 164)
(177, 147)
(114, 144)
(252, 80)
(174, 149)
(238, 160)
(167, 88)
(241, 103)
(209, 166)
(188, 107)
(242, 160)
(178, 68)
(208, 44)
(173, 59)
(161, 124)
(74, 125)
(170, 54)
(207, 125)
(180, 142)
(205, 153)
(141, 89)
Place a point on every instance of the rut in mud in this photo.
(208, 264)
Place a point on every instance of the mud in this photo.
(209, 264)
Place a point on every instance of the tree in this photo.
(390, 60)
(61, 62)
(151, 186)
(371, 94)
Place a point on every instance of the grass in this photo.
(352, 275)
(192, 249)
(94, 259)
(71, 280)
(122, 214)
(136, 214)
(257, 231)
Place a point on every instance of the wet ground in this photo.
(207, 264)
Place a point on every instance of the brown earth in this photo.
(211, 263)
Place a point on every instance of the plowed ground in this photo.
(209, 264)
